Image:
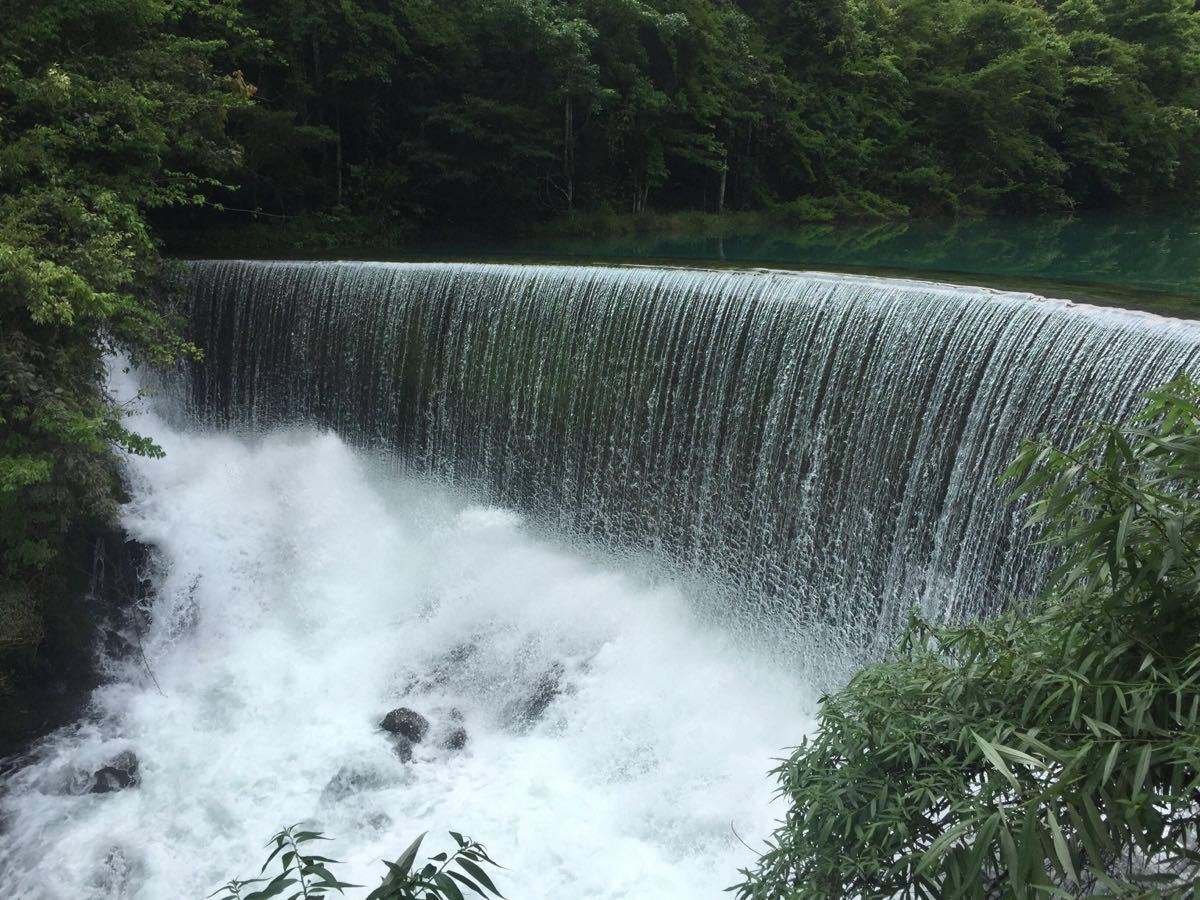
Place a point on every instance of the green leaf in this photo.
(404, 863)
(943, 843)
(449, 888)
(467, 883)
(479, 875)
(1143, 766)
(1016, 869)
(1018, 756)
(1110, 762)
(995, 759)
(277, 886)
(1060, 846)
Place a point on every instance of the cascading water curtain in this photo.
(831, 445)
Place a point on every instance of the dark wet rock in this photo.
(116, 645)
(455, 739)
(350, 780)
(407, 723)
(119, 593)
(402, 747)
(103, 594)
(546, 687)
(458, 655)
(118, 773)
(377, 821)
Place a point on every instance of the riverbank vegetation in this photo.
(1053, 750)
(94, 134)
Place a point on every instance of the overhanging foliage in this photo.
(1051, 751)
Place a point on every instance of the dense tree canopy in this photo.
(495, 112)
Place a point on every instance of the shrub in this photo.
(309, 876)
(1054, 750)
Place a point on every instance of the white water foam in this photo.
(301, 594)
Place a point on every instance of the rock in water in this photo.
(350, 780)
(455, 739)
(377, 821)
(119, 773)
(545, 689)
(406, 723)
(402, 747)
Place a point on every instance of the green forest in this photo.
(493, 114)
(132, 128)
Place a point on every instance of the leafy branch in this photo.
(309, 876)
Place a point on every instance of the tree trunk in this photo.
(721, 186)
(338, 163)
(569, 151)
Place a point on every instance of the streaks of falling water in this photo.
(832, 444)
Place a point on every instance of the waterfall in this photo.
(821, 452)
(830, 445)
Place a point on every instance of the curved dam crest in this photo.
(829, 445)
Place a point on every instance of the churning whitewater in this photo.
(302, 589)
